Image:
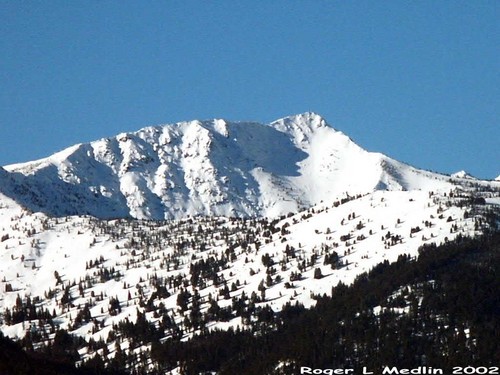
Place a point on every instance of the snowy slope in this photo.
(209, 168)
(462, 174)
(120, 268)
(259, 216)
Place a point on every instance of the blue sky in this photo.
(416, 80)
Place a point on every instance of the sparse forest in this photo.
(332, 286)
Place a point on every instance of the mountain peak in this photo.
(308, 117)
(306, 120)
(463, 174)
(212, 167)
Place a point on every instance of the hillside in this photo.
(439, 312)
(116, 251)
(122, 285)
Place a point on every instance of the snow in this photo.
(212, 167)
(70, 215)
(462, 174)
(68, 245)
(493, 200)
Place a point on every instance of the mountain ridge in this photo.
(87, 271)
(212, 167)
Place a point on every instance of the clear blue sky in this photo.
(416, 80)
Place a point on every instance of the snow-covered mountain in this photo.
(260, 217)
(209, 168)
(463, 174)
